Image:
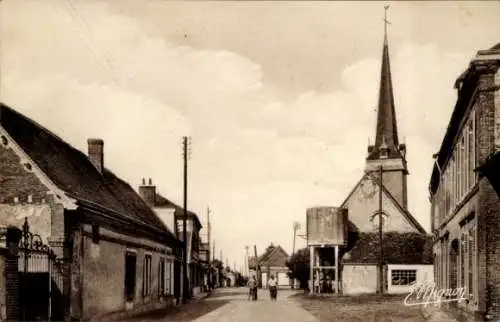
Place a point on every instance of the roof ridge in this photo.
(72, 172)
(46, 130)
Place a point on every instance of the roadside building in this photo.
(465, 209)
(271, 262)
(171, 214)
(106, 250)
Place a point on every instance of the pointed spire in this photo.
(386, 116)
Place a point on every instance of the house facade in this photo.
(109, 246)
(271, 263)
(382, 193)
(465, 210)
(171, 215)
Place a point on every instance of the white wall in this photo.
(425, 273)
(283, 279)
(359, 279)
(365, 201)
(167, 216)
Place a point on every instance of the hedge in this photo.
(398, 248)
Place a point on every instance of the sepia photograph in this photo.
(240, 161)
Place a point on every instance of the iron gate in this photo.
(41, 280)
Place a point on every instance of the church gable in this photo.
(363, 202)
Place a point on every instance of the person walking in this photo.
(273, 288)
(252, 288)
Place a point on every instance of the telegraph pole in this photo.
(209, 249)
(381, 254)
(185, 144)
(247, 268)
(296, 226)
(213, 250)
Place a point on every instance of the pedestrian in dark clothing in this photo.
(252, 288)
(273, 288)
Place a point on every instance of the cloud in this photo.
(260, 155)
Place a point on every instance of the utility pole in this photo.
(247, 268)
(213, 250)
(296, 226)
(185, 143)
(209, 277)
(380, 218)
(257, 268)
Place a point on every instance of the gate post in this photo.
(12, 274)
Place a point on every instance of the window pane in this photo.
(471, 259)
(403, 277)
(130, 269)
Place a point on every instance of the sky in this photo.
(279, 98)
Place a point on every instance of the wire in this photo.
(90, 35)
(78, 20)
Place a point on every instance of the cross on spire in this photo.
(386, 22)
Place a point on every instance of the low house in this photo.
(272, 262)
(407, 259)
(106, 248)
(165, 210)
(172, 215)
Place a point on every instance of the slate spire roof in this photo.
(386, 130)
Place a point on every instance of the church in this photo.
(382, 192)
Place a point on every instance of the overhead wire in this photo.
(84, 33)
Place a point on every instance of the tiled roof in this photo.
(386, 130)
(273, 256)
(71, 171)
(277, 257)
(161, 201)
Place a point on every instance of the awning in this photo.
(491, 170)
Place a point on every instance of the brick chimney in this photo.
(96, 153)
(148, 192)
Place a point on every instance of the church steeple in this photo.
(387, 154)
(386, 130)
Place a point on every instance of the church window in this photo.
(403, 276)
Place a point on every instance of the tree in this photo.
(298, 265)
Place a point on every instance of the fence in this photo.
(41, 280)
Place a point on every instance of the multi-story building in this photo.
(465, 210)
